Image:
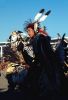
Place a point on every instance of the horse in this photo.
(17, 77)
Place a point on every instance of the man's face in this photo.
(30, 32)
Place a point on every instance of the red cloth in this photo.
(42, 32)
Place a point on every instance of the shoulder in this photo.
(38, 36)
(41, 36)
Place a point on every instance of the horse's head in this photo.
(16, 37)
(13, 37)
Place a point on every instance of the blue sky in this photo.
(13, 14)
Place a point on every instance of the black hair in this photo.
(28, 24)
